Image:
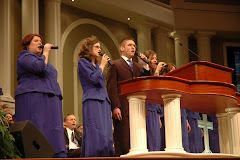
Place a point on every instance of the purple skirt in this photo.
(97, 129)
(45, 112)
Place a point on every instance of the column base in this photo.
(175, 150)
(7, 98)
(137, 150)
(175, 155)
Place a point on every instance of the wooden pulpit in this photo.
(198, 86)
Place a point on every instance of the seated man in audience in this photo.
(73, 138)
(9, 119)
(8, 116)
(6, 108)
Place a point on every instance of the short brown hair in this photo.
(27, 40)
(66, 117)
(122, 43)
(86, 48)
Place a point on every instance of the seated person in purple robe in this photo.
(38, 96)
(96, 109)
(73, 138)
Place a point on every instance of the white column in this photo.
(137, 124)
(6, 56)
(234, 118)
(143, 36)
(204, 44)
(53, 34)
(160, 41)
(172, 118)
(75, 89)
(30, 17)
(225, 139)
(181, 52)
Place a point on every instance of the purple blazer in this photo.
(35, 76)
(92, 80)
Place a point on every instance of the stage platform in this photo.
(153, 156)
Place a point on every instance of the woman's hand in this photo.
(47, 47)
(46, 51)
(159, 67)
(104, 61)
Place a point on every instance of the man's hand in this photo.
(117, 114)
(143, 57)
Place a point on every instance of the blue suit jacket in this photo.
(35, 76)
(92, 80)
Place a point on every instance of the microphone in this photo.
(53, 47)
(109, 62)
(162, 64)
(144, 60)
(192, 52)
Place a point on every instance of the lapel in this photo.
(76, 135)
(135, 68)
(124, 63)
(65, 133)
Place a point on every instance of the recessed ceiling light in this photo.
(129, 18)
(72, 0)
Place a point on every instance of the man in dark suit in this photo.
(73, 138)
(123, 69)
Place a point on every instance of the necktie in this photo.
(73, 139)
(130, 63)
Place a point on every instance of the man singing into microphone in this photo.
(123, 69)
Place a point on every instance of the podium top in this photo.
(203, 86)
(203, 71)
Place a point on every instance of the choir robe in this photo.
(96, 109)
(153, 127)
(195, 135)
(213, 135)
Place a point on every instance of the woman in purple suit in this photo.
(97, 122)
(38, 95)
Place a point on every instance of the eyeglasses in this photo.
(98, 47)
